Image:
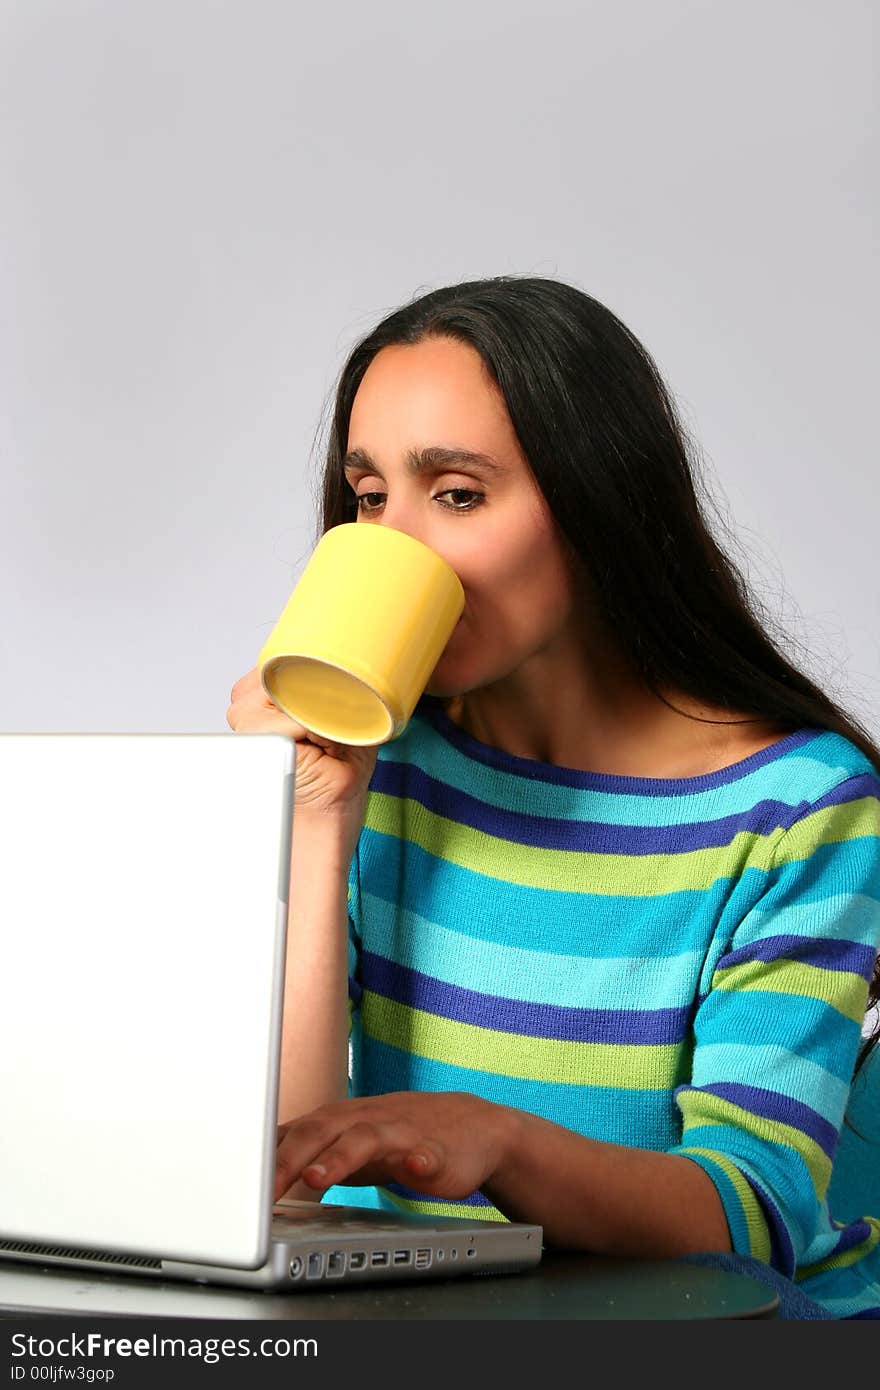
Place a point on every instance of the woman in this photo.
(610, 906)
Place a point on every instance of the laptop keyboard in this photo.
(303, 1226)
(302, 1217)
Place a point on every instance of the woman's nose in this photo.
(399, 517)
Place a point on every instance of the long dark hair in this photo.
(620, 475)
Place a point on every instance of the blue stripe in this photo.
(835, 863)
(849, 916)
(824, 953)
(522, 972)
(418, 991)
(779, 1020)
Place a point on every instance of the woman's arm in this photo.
(586, 1194)
(314, 1036)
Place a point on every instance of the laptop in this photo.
(144, 885)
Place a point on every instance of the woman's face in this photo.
(486, 517)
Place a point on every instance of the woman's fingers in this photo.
(358, 1145)
(249, 681)
(251, 711)
(379, 1161)
(425, 1160)
(445, 1143)
(367, 1150)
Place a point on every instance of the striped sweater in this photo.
(675, 964)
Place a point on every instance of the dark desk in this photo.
(572, 1287)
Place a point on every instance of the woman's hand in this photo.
(330, 777)
(445, 1144)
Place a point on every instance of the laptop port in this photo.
(357, 1260)
(403, 1257)
(296, 1266)
(315, 1266)
(423, 1259)
(379, 1257)
(335, 1264)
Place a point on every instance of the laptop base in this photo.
(314, 1244)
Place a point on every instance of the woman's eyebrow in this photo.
(433, 459)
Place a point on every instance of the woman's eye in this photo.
(366, 500)
(458, 493)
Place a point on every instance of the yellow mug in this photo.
(361, 633)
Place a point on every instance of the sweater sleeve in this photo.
(778, 1031)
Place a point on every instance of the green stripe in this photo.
(842, 989)
(429, 1208)
(631, 1066)
(847, 821)
(567, 871)
(756, 1224)
(713, 1110)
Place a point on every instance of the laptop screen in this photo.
(142, 925)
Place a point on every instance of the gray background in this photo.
(205, 204)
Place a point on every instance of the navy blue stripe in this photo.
(431, 708)
(856, 1233)
(853, 789)
(825, 954)
(418, 991)
(771, 1105)
(583, 836)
